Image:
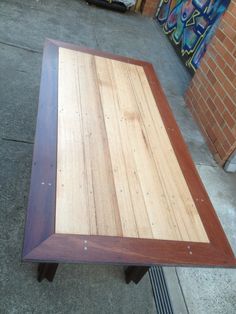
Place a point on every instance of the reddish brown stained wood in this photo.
(42, 244)
(41, 204)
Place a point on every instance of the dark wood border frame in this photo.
(42, 244)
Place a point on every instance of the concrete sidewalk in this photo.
(24, 25)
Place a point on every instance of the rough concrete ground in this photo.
(24, 25)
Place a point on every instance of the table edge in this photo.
(40, 220)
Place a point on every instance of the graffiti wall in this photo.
(190, 24)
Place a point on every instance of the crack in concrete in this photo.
(206, 165)
(16, 140)
(20, 47)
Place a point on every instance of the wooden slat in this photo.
(117, 171)
(128, 188)
(183, 211)
(86, 199)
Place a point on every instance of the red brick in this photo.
(219, 34)
(234, 131)
(234, 24)
(203, 104)
(220, 76)
(203, 92)
(205, 82)
(220, 150)
(219, 104)
(202, 118)
(229, 73)
(211, 134)
(228, 44)
(220, 61)
(211, 91)
(211, 104)
(229, 58)
(214, 89)
(190, 92)
(197, 82)
(229, 119)
(210, 53)
(211, 77)
(229, 18)
(219, 134)
(219, 118)
(204, 66)
(231, 106)
(211, 118)
(226, 84)
(228, 31)
(229, 88)
(233, 8)
(228, 134)
(219, 89)
(212, 64)
(220, 48)
(226, 146)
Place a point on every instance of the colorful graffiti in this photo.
(190, 24)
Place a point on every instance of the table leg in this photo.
(46, 271)
(135, 273)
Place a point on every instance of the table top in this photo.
(112, 180)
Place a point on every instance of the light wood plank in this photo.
(70, 159)
(128, 188)
(87, 203)
(117, 171)
(180, 201)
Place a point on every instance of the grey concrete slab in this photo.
(19, 90)
(230, 165)
(209, 291)
(175, 290)
(29, 24)
(77, 288)
(213, 291)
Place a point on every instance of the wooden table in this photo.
(112, 180)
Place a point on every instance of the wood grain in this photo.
(86, 199)
(117, 173)
(41, 244)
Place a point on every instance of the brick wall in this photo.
(149, 7)
(211, 95)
